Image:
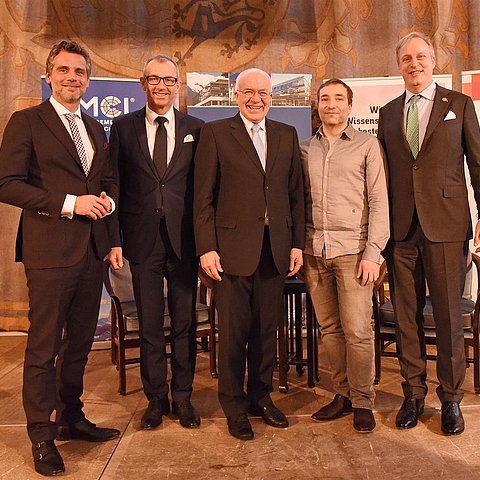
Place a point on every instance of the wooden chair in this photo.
(383, 314)
(124, 320)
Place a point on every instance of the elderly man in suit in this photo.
(426, 133)
(153, 150)
(250, 231)
(54, 164)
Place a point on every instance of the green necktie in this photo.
(412, 125)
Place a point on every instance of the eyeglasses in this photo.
(249, 93)
(154, 80)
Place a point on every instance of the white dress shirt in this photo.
(152, 126)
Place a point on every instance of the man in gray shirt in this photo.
(347, 227)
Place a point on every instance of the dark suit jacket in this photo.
(232, 192)
(434, 182)
(142, 192)
(39, 165)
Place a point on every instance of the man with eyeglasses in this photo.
(250, 232)
(153, 149)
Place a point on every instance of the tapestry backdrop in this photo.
(327, 38)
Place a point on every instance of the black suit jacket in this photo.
(434, 182)
(232, 192)
(143, 192)
(39, 165)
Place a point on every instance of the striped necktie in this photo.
(77, 140)
(412, 125)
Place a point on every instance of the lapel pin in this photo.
(444, 99)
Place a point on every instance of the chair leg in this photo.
(378, 360)
(310, 345)
(213, 343)
(282, 350)
(122, 374)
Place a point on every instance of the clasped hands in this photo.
(92, 206)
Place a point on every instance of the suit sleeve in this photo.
(297, 198)
(471, 147)
(206, 167)
(17, 156)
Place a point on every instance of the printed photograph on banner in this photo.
(207, 89)
(291, 90)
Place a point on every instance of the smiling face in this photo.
(416, 64)
(160, 97)
(333, 106)
(68, 79)
(253, 94)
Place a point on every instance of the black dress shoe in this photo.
(187, 415)
(47, 459)
(363, 420)
(452, 418)
(411, 409)
(86, 430)
(271, 415)
(338, 407)
(157, 407)
(240, 427)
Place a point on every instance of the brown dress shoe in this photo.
(363, 420)
(335, 409)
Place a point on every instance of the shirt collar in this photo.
(347, 133)
(151, 115)
(62, 110)
(428, 93)
(248, 124)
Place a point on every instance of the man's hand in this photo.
(210, 262)
(115, 258)
(92, 206)
(296, 261)
(368, 271)
(476, 237)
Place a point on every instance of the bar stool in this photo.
(290, 335)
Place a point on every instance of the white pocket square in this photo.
(450, 116)
(188, 138)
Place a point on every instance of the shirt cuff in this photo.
(68, 206)
(372, 253)
(113, 205)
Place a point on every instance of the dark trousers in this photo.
(443, 265)
(61, 299)
(148, 278)
(248, 308)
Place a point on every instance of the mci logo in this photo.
(110, 106)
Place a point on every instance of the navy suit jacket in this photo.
(143, 193)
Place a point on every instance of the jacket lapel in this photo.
(273, 143)
(180, 132)
(441, 104)
(241, 135)
(51, 119)
(141, 132)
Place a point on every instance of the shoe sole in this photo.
(321, 420)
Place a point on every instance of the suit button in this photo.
(267, 187)
(415, 166)
(157, 210)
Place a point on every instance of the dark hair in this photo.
(70, 47)
(337, 81)
(162, 59)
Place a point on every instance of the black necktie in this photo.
(160, 147)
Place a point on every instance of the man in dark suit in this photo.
(153, 149)
(54, 164)
(250, 231)
(426, 132)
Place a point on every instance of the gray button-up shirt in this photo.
(346, 195)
